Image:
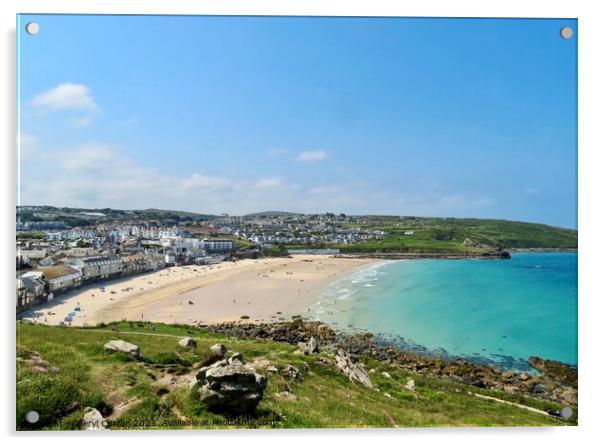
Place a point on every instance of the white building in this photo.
(217, 245)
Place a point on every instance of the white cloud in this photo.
(312, 156)
(268, 183)
(66, 96)
(89, 157)
(197, 181)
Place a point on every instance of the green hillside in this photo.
(72, 371)
(459, 235)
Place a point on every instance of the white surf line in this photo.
(518, 405)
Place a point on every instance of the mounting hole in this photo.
(32, 28)
(32, 417)
(566, 412)
(566, 32)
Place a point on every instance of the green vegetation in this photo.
(452, 235)
(238, 241)
(278, 250)
(31, 236)
(157, 392)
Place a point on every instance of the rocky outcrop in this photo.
(562, 373)
(229, 385)
(290, 332)
(93, 420)
(558, 381)
(355, 371)
(37, 364)
(123, 346)
(311, 347)
(187, 342)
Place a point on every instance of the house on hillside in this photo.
(97, 268)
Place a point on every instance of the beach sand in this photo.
(266, 289)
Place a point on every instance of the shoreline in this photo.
(552, 380)
(488, 255)
(266, 289)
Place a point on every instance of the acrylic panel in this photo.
(295, 222)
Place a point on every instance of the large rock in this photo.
(355, 371)
(123, 346)
(217, 352)
(93, 420)
(231, 386)
(187, 342)
(310, 347)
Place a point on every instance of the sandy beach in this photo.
(266, 289)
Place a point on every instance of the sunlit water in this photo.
(490, 310)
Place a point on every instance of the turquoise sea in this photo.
(486, 310)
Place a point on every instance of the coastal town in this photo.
(59, 251)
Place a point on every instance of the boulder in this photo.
(410, 385)
(312, 346)
(308, 348)
(355, 371)
(187, 342)
(200, 376)
(123, 346)
(93, 420)
(293, 374)
(231, 386)
(508, 376)
(217, 352)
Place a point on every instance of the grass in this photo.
(454, 235)
(141, 394)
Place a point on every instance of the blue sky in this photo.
(428, 117)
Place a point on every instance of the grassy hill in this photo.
(72, 371)
(460, 235)
(81, 217)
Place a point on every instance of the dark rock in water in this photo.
(231, 387)
(505, 255)
(558, 371)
